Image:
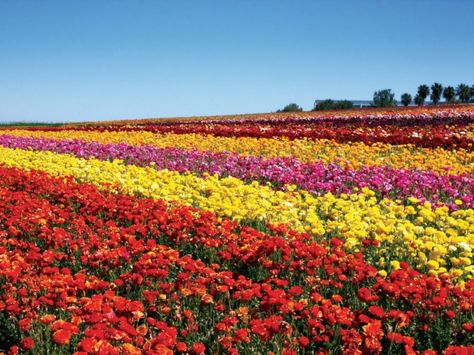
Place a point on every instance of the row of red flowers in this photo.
(94, 272)
(448, 136)
(447, 127)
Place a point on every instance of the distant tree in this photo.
(418, 100)
(291, 108)
(464, 92)
(436, 91)
(343, 105)
(406, 99)
(384, 98)
(449, 94)
(327, 104)
(423, 92)
(472, 93)
(333, 105)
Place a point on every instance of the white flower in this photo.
(465, 246)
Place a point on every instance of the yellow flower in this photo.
(432, 265)
(395, 265)
(455, 273)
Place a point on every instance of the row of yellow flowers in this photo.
(354, 155)
(435, 239)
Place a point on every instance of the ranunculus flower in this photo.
(62, 336)
(27, 343)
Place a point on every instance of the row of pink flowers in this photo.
(318, 178)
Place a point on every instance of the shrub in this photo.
(333, 105)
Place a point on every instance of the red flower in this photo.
(376, 311)
(468, 327)
(27, 343)
(86, 345)
(336, 242)
(128, 328)
(336, 298)
(181, 347)
(13, 350)
(395, 337)
(242, 335)
(25, 324)
(198, 348)
(365, 295)
(295, 290)
(303, 341)
(167, 336)
(450, 314)
(459, 350)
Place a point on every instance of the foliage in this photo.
(436, 91)
(333, 105)
(406, 99)
(384, 98)
(418, 100)
(422, 94)
(464, 93)
(30, 124)
(449, 94)
(291, 108)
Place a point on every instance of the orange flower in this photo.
(129, 349)
(207, 298)
(142, 330)
(162, 349)
(373, 333)
(62, 336)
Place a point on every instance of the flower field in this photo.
(312, 233)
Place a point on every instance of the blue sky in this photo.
(97, 60)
